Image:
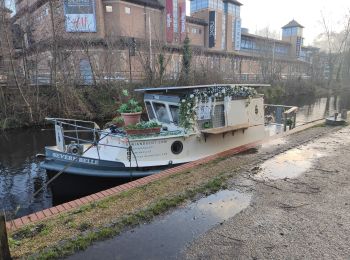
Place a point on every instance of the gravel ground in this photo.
(307, 217)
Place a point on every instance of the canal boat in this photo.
(196, 122)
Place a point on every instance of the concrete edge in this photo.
(15, 224)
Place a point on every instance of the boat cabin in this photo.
(218, 108)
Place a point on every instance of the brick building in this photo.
(117, 39)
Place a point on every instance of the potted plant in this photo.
(130, 111)
(143, 128)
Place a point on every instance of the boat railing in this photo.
(281, 115)
(82, 132)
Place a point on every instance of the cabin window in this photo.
(161, 112)
(174, 110)
(150, 112)
(219, 116)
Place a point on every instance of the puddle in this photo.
(169, 235)
(289, 164)
(294, 162)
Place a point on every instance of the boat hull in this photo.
(57, 161)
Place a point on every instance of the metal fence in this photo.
(281, 115)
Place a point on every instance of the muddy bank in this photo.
(304, 215)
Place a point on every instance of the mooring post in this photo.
(4, 246)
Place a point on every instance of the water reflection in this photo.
(20, 175)
(321, 108)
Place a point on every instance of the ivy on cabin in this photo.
(188, 105)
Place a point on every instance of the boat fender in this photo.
(40, 156)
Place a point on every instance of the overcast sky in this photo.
(257, 14)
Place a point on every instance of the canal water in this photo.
(21, 176)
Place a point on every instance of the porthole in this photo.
(177, 147)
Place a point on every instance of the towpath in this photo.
(291, 216)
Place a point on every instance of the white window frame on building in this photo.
(109, 8)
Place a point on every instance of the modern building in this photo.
(83, 34)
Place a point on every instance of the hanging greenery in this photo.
(187, 114)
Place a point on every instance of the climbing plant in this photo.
(187, 111)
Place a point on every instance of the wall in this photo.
(196, 34)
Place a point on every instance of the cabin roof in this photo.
(185, 88)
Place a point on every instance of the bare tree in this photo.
(337, 44)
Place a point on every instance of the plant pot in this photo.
(131, 118)
(147, 131)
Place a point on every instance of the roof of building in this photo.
(195, 20)
(149, 3)
(264, 38)
(233, 2)
(291, 24)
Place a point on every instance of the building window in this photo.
(109, 8)
(197, 5)
(223, 32)
(196, 30)
(175, 16)
(127, 10)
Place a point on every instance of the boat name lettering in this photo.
(74, 158)
(144, 143)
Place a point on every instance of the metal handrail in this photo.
(288, 112)
(64, 122)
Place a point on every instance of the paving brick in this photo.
(95, 197)
(79, 202)
(100, 195)
(18, 222)
(25, 220)
(84, 200)
(54, 210)
(105, 193)
(9, 225)
(114, 191)
(126, 185)
(47, 212)
(33, 217)
(40, 215)
(66, 206)
(73, 204)
(89, 198)
(60, 208)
